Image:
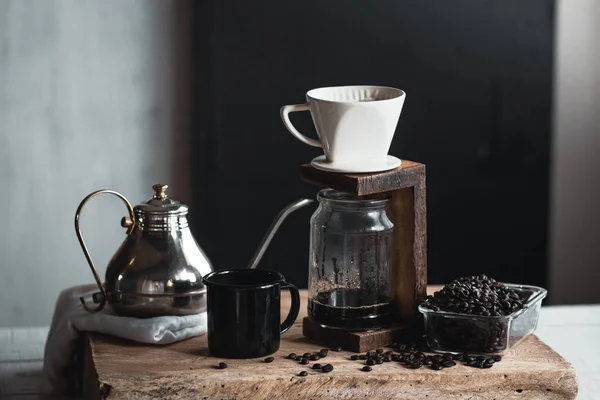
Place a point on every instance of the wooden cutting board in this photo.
(119, 369)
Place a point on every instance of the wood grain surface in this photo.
(124, 370)
(406, 175)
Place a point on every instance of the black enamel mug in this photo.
(244, 312)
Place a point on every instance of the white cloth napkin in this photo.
(71, 319)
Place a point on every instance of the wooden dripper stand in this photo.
(406, 184)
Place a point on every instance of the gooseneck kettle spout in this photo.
(274, 227)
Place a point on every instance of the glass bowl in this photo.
(477, 334)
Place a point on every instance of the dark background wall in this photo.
(478, 77)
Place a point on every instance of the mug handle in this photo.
(285, 116)
(294, 309)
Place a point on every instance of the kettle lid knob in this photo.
(160, 191)
(160, 203)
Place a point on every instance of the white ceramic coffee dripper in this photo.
(355, 126)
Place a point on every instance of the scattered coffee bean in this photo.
(269, 359)
(327, 368)
(316, 366)
(497, 358)
(314, 357)
(324, 351)
(414, 358)
(489, 361)
(303, 373)
(304, 361)
(322, 354)
(292, 356)
(222, 365)
(306, 355)
(337, 348)
(366, 368)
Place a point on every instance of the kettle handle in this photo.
(125, 222)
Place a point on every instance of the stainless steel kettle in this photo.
(159, 267)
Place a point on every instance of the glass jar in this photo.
(351, 259)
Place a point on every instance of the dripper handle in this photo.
(126, 222)
(273, 229)
(285, 117)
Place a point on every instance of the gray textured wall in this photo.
(575, 216)
(91, 96)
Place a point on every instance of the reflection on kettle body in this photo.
(159, 267)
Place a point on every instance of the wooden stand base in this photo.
(358, 342)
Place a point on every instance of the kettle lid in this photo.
(160, 203)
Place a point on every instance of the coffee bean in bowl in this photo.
(480, 315)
